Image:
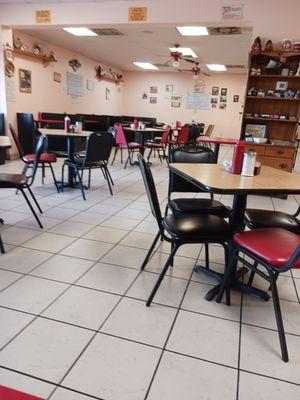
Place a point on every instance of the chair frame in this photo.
(175, 241)
(80, 168)
(271, 277)
(27, 165)
(131, 151)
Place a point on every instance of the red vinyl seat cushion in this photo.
(45, 158)
(134, 145)
(153, 145)
(273, 245)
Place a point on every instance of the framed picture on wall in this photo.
(25, 84)
(256, 130)
(169, 88)
(236, 98)
(153, 89)
(215, 90)
(224, 92)
(175, 104)
(57, 77)
(153, 100)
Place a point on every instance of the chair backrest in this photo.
(39, 149)
(151, 191)
(183, 136)
(188, 154)
(209, 130)
(98, 147)
(165, 135)
(120, 136)
(16, 140)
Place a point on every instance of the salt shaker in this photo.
(249, 163)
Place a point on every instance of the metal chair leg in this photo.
(43, 173)
(161, 276)
(109, 175)
(145, 262)
(80, 184)
(225, 284)
(1, 246)
(54, 179)
(62, 176)
(107, 179)
(280, 327)
(35, 200)
(114, 157)
(89, 178)
(206, 247)
(31, 208)
(149, 155)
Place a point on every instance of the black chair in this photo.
(1, 243)
(180, 228)
(22, 182)
(96, 155)
(277, 251)
(255, 218)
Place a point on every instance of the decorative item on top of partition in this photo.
(35, 52)
(75, 64)
(108, 74)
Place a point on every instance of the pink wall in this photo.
(227, 122)
(48, 95)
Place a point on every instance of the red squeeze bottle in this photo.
(237, 159)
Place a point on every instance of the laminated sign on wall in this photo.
(197, 101)
(74, 84)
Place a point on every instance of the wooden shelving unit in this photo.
(36, 57)
(278, 156)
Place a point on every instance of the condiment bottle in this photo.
(67, 124)
(237, 158)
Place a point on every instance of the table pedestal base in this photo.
(236, 284)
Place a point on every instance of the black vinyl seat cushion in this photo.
(197, 227)
(12, 180)
(271, 219)
(199, 206)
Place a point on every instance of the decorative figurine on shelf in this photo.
(256, 47)
(253, 71)
(289, 94)
(260, 93)
(270, 93)
(297, 94)
(119, 77)
(252, 92)
(298, 70)
(36, 49)
(74, 64)
(269, 46)
(287, 45)
(18, 44)
(273, 64)
(98, 72)
(51, 55)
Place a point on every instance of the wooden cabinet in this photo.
(280, 115)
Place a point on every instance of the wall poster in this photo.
(74, 84)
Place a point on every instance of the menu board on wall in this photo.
(198, 101)
(74, 84)
(10, 88)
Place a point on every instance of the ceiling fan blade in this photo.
(189, 60)
(205, 73)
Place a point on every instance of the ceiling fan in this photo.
(196, 70)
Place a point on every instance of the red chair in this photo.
(121, 143)
(46, 159)
(182, 138)
(276, 250)
(157, 146)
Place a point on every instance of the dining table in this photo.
(213, 178)
(70, 137)
(217, 141)
(142, 135)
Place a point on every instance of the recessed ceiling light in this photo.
(145, 65)
(80, 31)
(192, 30)
(185, 51)
(216, 67)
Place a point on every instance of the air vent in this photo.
(108, 32)
(231, 66)
(224, 30)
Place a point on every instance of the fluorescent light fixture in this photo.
(80, 31)
(185, 51)
(145, 65)
(192, 30)
(216, 67)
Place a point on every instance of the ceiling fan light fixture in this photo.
(195, 77)
(175, 64)
(145, 65)
(80, 31)
(192, 30)
(185, 51)
(216, 67)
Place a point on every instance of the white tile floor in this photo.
(74, 325)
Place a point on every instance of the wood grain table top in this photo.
(217, 139)
(61, 132)
(213, 178)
